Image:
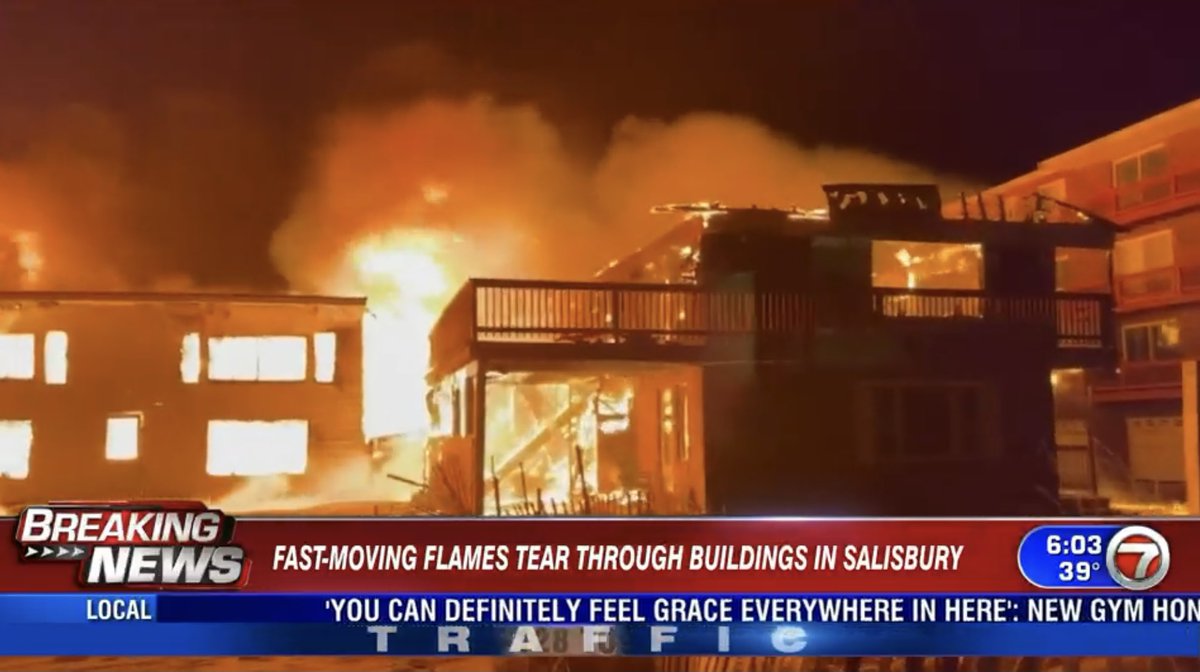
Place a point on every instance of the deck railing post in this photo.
(615, 310)
(473, 308)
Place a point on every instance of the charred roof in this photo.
(897, 211)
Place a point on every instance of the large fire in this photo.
(407, 279)
(408, 274)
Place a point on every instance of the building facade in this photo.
(869, 358)
(1122, 431)
(184, 396)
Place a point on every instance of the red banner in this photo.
(958, 555)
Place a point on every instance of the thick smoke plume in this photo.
(491, 191)
(478, 182)
(727, 158)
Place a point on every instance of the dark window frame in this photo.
(1153, 337)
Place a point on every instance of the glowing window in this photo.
(16, 442)
(16, 356)
(282, 358)
(266, 358)
(233, 359)
(254, 448)
(55, 354)
(325, 356)
(189, 360)
(922, 265)
(121, 441)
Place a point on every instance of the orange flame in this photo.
(407, 277)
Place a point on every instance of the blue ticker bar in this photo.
(208, 624)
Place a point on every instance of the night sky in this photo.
(982, 89)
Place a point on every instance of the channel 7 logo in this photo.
(1138, 558)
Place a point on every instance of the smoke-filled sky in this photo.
(234, 143)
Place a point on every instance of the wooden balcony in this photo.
(1159, 287)
(1152, 197)
(645, 322)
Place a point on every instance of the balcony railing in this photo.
(1139, 380)
(515, 311)
(1149, 197)
(1161, 285)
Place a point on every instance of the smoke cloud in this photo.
(171, 195)
(187, 190)
(60, 192)
(731, 159)
(491, 190)
(486, 188)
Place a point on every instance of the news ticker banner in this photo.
(174, 578)
(584, 625)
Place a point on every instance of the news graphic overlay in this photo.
(1095, 557)
(179, 545)
(1138, 558)
(75, 583)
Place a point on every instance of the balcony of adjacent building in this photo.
(1164, 286)
(1150, 368)
(1157, 269)
(527, 319)
(1146, 186)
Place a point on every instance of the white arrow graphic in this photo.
(62, 550)
(78, 551)
(31, 551)
(47, 550)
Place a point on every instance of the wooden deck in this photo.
(652, 322)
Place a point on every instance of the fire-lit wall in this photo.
(130, 416)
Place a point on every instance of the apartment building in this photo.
(1122, 431)
(126, 395)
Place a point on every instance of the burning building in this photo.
(873, 357)
(185, 396)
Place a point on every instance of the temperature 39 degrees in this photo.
(1070, 571)
(1079, 568)
(1067, 556)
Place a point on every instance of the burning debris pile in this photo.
(544, 438)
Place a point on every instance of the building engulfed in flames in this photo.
(874, 357)
(219, 397)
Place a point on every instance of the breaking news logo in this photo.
(172, 544)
